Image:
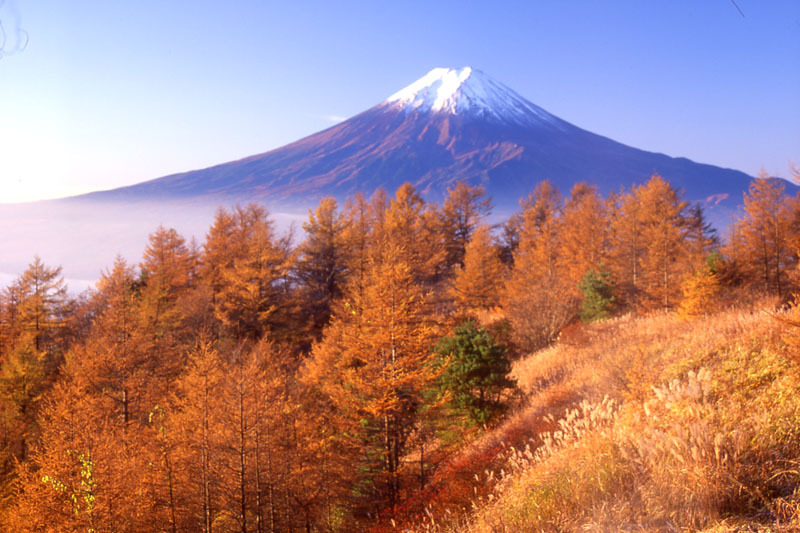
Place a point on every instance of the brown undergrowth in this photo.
(645, 424)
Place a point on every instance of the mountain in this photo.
(448, 125)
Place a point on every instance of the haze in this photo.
(63, 234)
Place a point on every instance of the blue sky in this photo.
(113, 93)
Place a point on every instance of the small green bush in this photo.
(595, 286)
(474, 371)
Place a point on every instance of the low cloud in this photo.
(84, 237)
(333, 118)
(715, 199)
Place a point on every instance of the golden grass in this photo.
(650, 424)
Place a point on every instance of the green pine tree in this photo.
(474, 373)
(598, 301)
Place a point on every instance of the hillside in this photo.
(644, 424)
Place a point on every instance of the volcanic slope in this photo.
(452, 124)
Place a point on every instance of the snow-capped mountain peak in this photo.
(467, 91)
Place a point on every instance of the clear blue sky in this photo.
(112, 93)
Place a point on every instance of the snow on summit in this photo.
(467, 91)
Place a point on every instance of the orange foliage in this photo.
(478, 284)
(253, 385)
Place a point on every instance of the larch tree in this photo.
(118, 357)
(36, 313)
(238, 420)
(39, 306)
(97, 420)
(410, 229)
(268, 480)
(357, 238)
(701, 289)
(509, 238)
(666, 258)
(167, 271)
(86, 472)
(371, 365)
(537, 301)
(583, 245)
(760, 240)
(321, 266)
(218, 253)
(307, 467)
(478, 285)
(627, 247)
(253, 297)
(319, 461)
(465, 206)
(56, 486)
(218, 256)
(195, 422)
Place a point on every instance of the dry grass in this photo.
(663, 425)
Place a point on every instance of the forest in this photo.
(264, 382)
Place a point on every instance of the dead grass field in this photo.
(646, 424)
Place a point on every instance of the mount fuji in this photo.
(451, 124)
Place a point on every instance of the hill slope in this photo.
(641, 424)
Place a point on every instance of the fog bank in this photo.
(84, 237)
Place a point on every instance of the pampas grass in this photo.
(648, 424)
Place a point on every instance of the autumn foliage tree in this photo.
(122, 357)
(89, 470)
(761, 239)
(627, 248)
(410, 230)
(250, 272)
(664, 233)
(656, 241)
(35, 313)
(584, 235)
(255, 383)
(538, 302)
(371, 362)
(362, 221)
(479, 283)
(701, 289)
(167, 271)
(464, 208)
(322, 264)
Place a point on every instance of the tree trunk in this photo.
(242, 458)
(205, 461)
(168, 465)
(259, 513)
